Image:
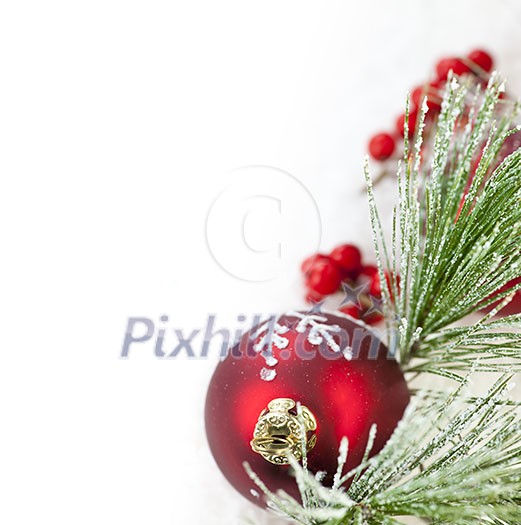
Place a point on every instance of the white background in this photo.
(119, 122)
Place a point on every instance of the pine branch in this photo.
(483, 347)
(455, 237)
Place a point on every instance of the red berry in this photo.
(356, 313)
(417, 95)
(400, 123)
(310, 261)
(372, 318)
(324, 278)
(446, 64)
(437, 89)
(438, 86)
(313, 297)
(482, 59)
(381, 146)
(348, 258)
(352, 310)
(514, 306)
(375, 288)
(420, 92)
(369, 271)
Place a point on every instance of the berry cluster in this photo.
(478, 63)
(343, 268)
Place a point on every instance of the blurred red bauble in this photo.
(330, 364)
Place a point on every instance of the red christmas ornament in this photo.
(330, 365)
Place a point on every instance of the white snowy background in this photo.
(120, 124)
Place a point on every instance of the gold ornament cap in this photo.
(283, 430)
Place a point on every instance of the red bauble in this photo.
(331, 364)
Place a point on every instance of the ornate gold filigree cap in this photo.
(280, 431)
